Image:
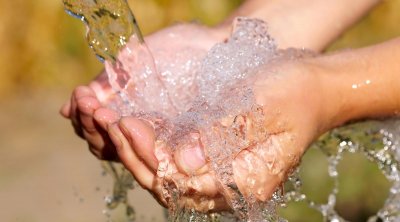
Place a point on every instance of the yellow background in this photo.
(46, 172)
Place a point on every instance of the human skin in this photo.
(313, 95)
(305, 98)
(133, 140)
(310, 24)
(85, 100)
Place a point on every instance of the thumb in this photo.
(190, 157)
(253, 177)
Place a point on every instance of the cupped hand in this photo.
(294, 112)
(187, 40)
(81, 109)
(293, 118)
(293, 106)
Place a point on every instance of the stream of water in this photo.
(222, 90)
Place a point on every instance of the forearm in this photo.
(311, 24)
(362, 83)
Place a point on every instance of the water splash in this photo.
(110, 26)
(378, 141)
(123, 182)
(229, 67)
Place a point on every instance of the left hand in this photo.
(189, 41)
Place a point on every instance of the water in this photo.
(109, 24)
(378, 141)
(123, 182)
(220, 98)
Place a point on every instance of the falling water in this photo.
(116, 39)
(110, 24)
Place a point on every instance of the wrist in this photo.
(311, 24)
(359, 84)
(334, 107)
(325, 97)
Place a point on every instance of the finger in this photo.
(79, 92)
(99, 142)
(143, 175)
(74, 115)
(95, 132)
(204, 204)
(199, 192)
(87, 106)
(249, 175)
(87, 103)
(101, 86)
(102, 80)
(141, 139)
(105, 117)
(65, 110)
(101, 146)
(107, 152)
(140, 171)
(190, 157)
(204, 184)
(259, 171)
(83, 91)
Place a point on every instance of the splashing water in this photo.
(123, 182)
(222, 101)
(379, 142)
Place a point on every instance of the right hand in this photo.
(295, 113)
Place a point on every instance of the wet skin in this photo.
(294, 124)
(133, 141)
(300, 100)
(92, 120)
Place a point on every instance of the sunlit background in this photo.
(47, 174)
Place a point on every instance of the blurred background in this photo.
(47, 173)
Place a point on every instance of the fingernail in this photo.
(115, 135)
(192, 158)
